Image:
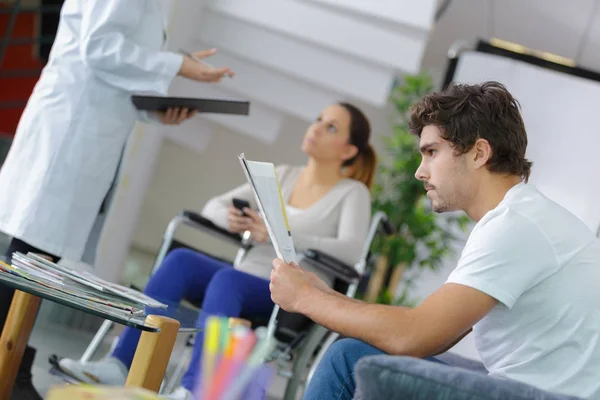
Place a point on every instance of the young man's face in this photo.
(445, 176)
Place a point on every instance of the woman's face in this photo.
(328, 137)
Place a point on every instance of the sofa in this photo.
(408, 378)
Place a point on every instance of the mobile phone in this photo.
(240, 204)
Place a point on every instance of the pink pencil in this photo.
(241, 345)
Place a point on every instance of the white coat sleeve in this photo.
(148, 117)
(113, 58)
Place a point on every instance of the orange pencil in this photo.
(240, 346)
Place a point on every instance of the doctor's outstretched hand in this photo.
(196, 69)
(291, 285)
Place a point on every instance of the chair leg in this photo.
(96, 341)
(314, 338)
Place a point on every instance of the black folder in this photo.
(218, 106)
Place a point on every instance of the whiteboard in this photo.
(562, 117)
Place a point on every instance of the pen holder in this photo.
(257, 388)
(233, 322)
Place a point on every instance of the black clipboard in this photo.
(217, 106)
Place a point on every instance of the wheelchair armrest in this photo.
(332, 265)
(207, 225)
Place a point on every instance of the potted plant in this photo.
(423, 238)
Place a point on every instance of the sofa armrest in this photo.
(387, 377)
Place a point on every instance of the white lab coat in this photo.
(78, 118)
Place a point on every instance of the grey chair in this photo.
(397, 377)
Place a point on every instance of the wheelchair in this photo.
(298, 338)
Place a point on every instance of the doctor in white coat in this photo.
(76, 123)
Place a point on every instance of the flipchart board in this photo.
(561, 114)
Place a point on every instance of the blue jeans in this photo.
(224, 291)
(334, 377)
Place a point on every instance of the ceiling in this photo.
(569, 29)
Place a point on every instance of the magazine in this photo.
(92, 281)
(267, 192)
(47, 282)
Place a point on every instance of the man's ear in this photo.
(482, 152)
(350, 152)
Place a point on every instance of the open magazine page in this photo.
(265, 185)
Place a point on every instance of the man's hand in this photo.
(196, 69)
(174, 115)
(317, 282)
(237, 221)
(259, 231)
(289, 285)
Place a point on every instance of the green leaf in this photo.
(422, 240)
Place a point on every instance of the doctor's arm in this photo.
(119, 62)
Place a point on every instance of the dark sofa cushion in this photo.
(407, 378)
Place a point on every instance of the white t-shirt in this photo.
(543, 266)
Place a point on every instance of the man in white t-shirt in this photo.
(528, 280)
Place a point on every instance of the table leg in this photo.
(152, 354)
(15, 335)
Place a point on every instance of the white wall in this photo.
(559, 111)
(294, 57)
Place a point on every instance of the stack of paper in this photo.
(82, 285)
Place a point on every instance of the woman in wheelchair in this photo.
(329, 209)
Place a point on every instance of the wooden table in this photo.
(149, 363)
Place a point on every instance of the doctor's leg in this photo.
(23, 388)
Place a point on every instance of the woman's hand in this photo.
(174, 115)
(237, 221)
(194, 68)
(257, 227)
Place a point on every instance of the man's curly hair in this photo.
(465, 113)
